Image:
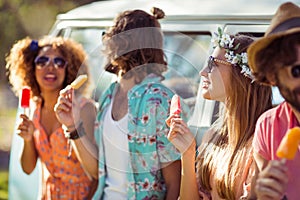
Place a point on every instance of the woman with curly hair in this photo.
(224, 166)
(136, 160)
(47, 66)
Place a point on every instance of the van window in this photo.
(186, 53)
(91, 39)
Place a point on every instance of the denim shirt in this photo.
(148, 108)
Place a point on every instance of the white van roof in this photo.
(174, 9)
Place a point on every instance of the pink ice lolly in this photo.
(25, 98)
(175, 105)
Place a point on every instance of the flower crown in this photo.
(224, 40)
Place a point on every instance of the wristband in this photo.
(72, 135)
(77, 133)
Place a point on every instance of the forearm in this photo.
(85, 150)
(172, 193)
(188, 187)
(87, 154)
(28, 157)
(171, 173)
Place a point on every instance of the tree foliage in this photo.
(21, 18)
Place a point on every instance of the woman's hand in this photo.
(66, 108)
(180, 135)
(25, 128)
(272, 181)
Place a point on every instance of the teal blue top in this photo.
(148, 108)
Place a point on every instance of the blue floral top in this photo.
(149, 104)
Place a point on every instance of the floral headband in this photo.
(223, 40)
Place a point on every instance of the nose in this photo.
(50, 65)
(204, 71)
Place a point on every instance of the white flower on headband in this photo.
(223, 40)
(226, 41)
(244, 57)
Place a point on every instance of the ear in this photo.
(271, 77)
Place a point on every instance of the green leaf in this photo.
(220, 31)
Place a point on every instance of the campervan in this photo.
(188, 28)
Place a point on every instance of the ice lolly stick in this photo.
(78, 82)
(289, 144)
(175, 105)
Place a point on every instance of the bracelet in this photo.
(77, 133)
(72, 135)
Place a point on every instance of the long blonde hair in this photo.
(225, 153)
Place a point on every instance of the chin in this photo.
(206, 95)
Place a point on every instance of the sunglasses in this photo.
(43, 61)
(212, 63)
(295, 71)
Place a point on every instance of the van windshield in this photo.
(186, 53)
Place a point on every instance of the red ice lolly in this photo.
(25, 98)
(175, 105)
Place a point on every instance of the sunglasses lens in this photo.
(296, 71)
(59, 62)
(42, 61)
(210, 63)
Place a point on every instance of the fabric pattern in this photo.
(66, 178)
(149, 104)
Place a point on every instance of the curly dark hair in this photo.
(20, 67)
(135, 40)
(269, 60)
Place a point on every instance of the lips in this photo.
(205, 84)
(50, 77)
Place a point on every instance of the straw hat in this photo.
(286, 21)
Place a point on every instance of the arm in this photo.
(272, 178)
(171, 174)
(188, 187)
(181, 137)
(29, 154)
(66, 108)
(85, 147)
